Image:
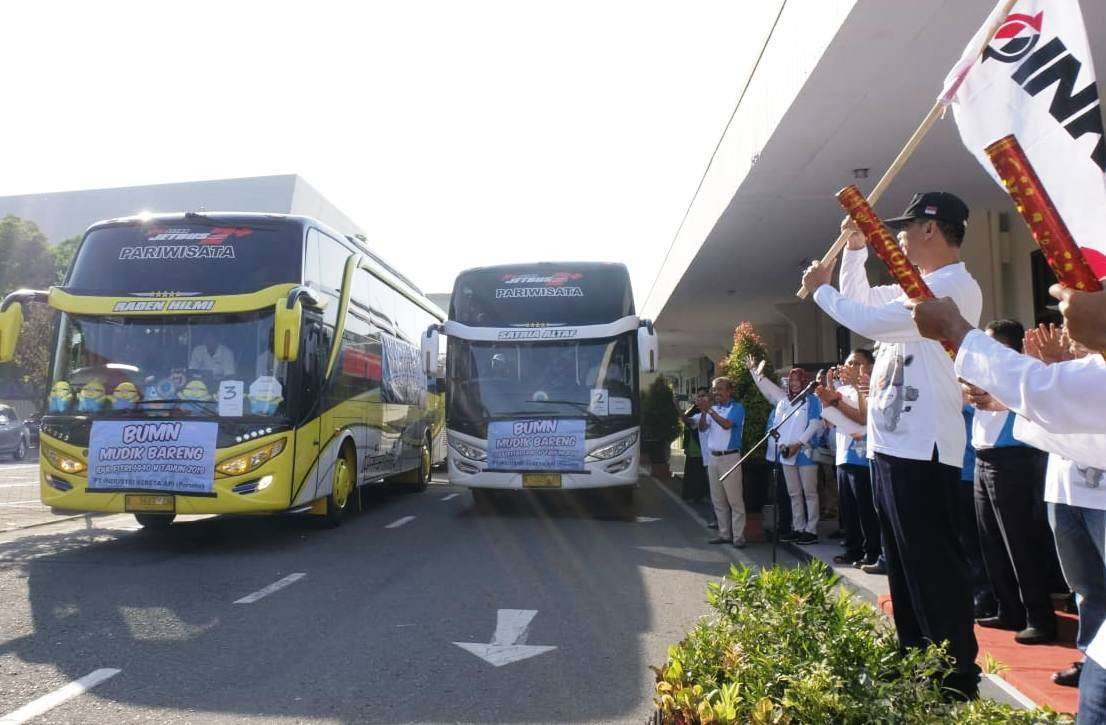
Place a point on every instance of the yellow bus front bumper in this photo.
(266, 489)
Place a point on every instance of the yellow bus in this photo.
(231, 363)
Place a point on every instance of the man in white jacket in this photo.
(916, 434)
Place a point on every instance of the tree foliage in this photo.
(27, 261)
(746, 342)
(63, 253)
(660, 417)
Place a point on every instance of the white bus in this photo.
(542, 377)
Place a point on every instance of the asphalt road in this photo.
(367, 632)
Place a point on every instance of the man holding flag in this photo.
(916, 435)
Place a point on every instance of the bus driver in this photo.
(212, 356)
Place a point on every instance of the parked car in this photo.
(33, 423)
(14, 437)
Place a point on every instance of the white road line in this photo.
(702, 522)
(17, 503)
(57, 697)
(400, 522)
(274, 587)
(450, 496)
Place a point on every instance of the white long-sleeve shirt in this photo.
(800, 427)
(1089, 449)
(915, 403)
(850, 438)
(1067, 397)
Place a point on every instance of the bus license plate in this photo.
(145, 502)
(541, 480)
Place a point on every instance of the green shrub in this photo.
(788, 645)
(660, 419)
(746, 342)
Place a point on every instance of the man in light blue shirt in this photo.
(720, 428)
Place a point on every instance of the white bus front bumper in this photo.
(620, 470)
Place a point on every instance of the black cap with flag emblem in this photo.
(939, 205)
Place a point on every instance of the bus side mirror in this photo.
(429, 350)
(286, 331)
(647, 348)
(11, 322)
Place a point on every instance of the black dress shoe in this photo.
(998, 623)
(1036, 635)
(1068, 677)
(712, 525)
(847, 559)
(718, 540)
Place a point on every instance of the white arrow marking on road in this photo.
(400, 522)
(274, 587)
(49, 702)
(507, 645)
(450, 496)
(646, 519)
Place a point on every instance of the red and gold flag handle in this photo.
(885, 246)
(1045, 223)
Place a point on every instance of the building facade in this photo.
(840, 87)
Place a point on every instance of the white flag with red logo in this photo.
(1036, 80)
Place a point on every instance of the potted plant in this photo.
(660, 424)
(756, 472)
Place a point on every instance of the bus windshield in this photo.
(493, 380)
(197, 365)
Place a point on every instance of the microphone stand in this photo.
(774, 434)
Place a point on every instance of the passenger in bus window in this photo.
(212, 356)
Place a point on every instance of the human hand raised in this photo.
(1084, 315)
(1047, 343)
(855, 238)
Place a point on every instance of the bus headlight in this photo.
(62, 462)
(466, 450)
(612, 450)
(250, 460)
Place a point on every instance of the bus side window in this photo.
(312, 266)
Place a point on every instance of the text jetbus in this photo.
(230, 364)
(542, 379)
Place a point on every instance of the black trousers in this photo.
(968, 530)
(695, 484)
(925, 566)
(1018, 549)
(857, 512)
(783, 500)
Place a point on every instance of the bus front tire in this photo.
(155, 522)
(343, 489)
(424, 467)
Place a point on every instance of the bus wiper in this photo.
(583, 407)
(210, 404)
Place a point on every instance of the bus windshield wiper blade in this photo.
(582, 407)
(175, 401)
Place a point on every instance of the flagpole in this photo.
(912, 143)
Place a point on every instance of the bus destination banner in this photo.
(171, 456)
(536, 445)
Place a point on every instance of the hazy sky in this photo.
(455, 133)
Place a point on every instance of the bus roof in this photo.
(231, 217)
(542, 293)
